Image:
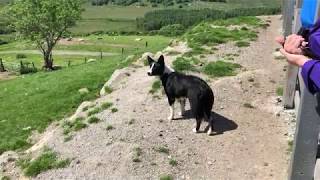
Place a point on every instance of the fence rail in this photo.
(305, 144)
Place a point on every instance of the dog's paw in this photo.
(209, 132)
(194, 130)
(181, 113)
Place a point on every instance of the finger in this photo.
(280, 40)
(304, 43)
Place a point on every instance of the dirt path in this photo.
(251, 143)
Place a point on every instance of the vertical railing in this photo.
(305, 145)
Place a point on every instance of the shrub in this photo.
(242, 44)
(166, 177)
(279, 91)
(21, 56)
(172, 30)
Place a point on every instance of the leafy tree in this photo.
(44, 22)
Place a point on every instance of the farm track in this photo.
(250, 143)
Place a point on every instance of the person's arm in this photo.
(310, 70)
(311, 75)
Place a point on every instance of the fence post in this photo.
(2, 69)
(85, 60)
(122, 51)
(291, 12)
(306, 137)
(100, 54)
(69, 63)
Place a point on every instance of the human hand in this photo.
(295, 59)
(292, 44)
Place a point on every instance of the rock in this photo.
(83, 90)
(116, 77)
(279, 99)
(79, 112)
(278, 55)
(210, 163)
(138, 39)
(26, 128)
(81, 40)
(91, 60)
(221, 107)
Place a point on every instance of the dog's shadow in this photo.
(221, 123)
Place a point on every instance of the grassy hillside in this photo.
(31, 102)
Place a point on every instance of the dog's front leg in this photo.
(171, 103)
(182, 106)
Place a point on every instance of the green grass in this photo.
(220, 69)
(76, 125)
(108, 89)
(242, 44)
(94, 111)
(114, 110)
(156, 85)
(106, 105)
(93, 119)
(173, 162)
(162, 149)
(166, 177)
(137, 152)
(218, 32)
(109, 18)
(182, 64)
(109, 127)
(279, 91)
(38, 99)
(46, 161)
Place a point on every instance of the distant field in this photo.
(106, 44)
(122, 18)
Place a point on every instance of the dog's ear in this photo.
(161, 60)
(150, 60)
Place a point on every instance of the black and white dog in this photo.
(179, 86)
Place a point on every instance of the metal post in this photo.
(292, 12)
(306, 137)
(2, 69)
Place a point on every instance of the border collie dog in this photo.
(181, 87)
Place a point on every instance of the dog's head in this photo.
(156, 67)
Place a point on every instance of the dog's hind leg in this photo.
(210, 122)
(196, 110)
(171, 103)
(182, 106)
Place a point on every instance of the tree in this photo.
(44, 22)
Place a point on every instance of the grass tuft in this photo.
(94, 111)
(173, 162)
(162, 149)
(108, 89)
(156, 85)
(221, 68)
(106, 105)
(279, 91)
(109, 127)
(93, 119)
(46, 161)
(113, 110)
(242, 44)
(166, 177)
(182, 64)
(137, 151)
